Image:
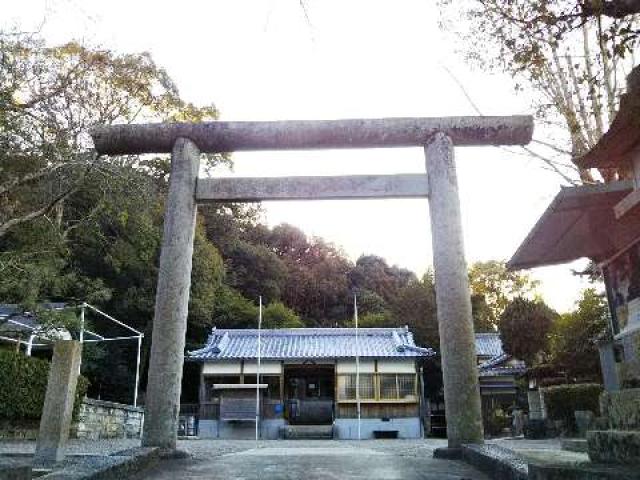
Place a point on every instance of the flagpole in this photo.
(355, 314)
(258, 368)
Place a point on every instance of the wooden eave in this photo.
(579, 223)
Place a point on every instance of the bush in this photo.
(563, 400)
(24, 385)
(497, 422)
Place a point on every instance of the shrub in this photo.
(497, 422)
(24, 385)
(563, 400)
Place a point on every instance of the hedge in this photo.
(24, 384)
(562, 401)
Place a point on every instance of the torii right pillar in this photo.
(455, 324)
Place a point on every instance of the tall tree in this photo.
(570, 56)
(524, 328)
(372, 273)
(317, 285)
(573, 337)
(255, 271)
(50, 98)
(277, 315)
(493, 286)
(415, 307)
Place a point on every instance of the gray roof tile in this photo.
(300, 343)
(488, 345)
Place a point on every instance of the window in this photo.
(387, 387)
(406, 386)
(347, 387)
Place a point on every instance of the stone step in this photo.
(294, 432)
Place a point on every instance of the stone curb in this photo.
(112, 467)
(448, 453)
(498, 462)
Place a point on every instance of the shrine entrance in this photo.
(309, 394)
(186, 142)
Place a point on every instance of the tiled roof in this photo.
(490, 345)
(302, 343)
(14, 318)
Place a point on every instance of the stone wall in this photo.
(101, 419)
(621, 409)
(25, 431)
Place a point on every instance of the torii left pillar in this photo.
(172, 299)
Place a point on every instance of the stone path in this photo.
(312, 460)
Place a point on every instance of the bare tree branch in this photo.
(9, 224)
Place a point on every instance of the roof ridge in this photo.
(317, 330)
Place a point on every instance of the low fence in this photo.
(96, 419)
(101, 419)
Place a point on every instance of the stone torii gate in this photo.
(185, 142)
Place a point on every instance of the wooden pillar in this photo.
(457, 342)
(172, 300)
(58, 403)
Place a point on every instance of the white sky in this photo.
(262, 60)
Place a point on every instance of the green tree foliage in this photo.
(375, 320)
(493, 286)
(255, 270)
(74, 226)
(232, 310)
(317, 285)
(371, 273)
(370, 303)
(207, 276)
(416, 308)
(561, 401)
(482, 315)
(277, 315)
(52, 96)
(24, 384)
(524, 328)
(572, 348)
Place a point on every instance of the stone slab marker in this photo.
(58, 403)
(172, 299)
(455, 324)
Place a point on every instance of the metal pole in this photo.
(258, 368)
(81, 337)
(29, 345)
(112, 319)
(355, 313)
(135, 390)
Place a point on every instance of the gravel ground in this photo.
(312, 460)
(206, 448)
(75, 447)
(283, 459)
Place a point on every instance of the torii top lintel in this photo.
(216, 137)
